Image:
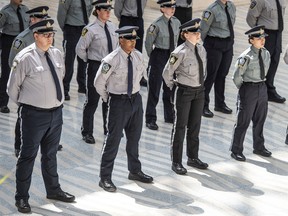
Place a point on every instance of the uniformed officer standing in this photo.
(183, 12)
(270, 13)
(97, 41)
(35, 85)
(218, 36)
(24, 39)
(130, 13)
(72, 16)
(118, 82)
(13, 20)
(161, 40)
(187, 64)
(249, 78)
(286, 61)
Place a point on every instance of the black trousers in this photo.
(123, 113)
(273, 44)
(38, 128)
(71, 38)
(184, 15)
(157, 62)
(92, 99)
(7, 41)
(188, 108)
(17, 143)
(219, 58)
(134, 21)
(252, 105)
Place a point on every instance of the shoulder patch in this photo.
(253, 4)
(152, 28)
(172, 59)
(84, 32)
(17, 44)
(62, 1)
(206, 15)
(105, 68)
(241, 62)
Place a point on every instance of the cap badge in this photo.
(134, 33)
(44, 12)
(48, 25)
(262, 31)
(197, 24)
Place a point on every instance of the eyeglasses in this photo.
(48, 34)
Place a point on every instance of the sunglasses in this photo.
(48, 34)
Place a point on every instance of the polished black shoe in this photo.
(89, 139)
(178, 168)
(286, 141)
(4, 109)
(152, 126)
(264, 152)
(224, 109)
(23, 206)
(207, 113)
(60, 147)
(140, 176)
(275, 97)
(82, 91)
(17, 152)
(67, 97)
(107, 185)
(62, 196)
(196, 162)
(143, 82)
(238, 156)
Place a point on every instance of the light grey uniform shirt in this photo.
(31, 80)
(9, 22)
(23, 40)
(93, 42)
(127, 8)
(183, 3)
(214, 20)
(264, 12)
(247, 68)
(112, 76)
(183, 63)
(158, 34)
(286, 55)
(70, 12)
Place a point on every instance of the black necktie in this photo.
(21, 24)
(262, 70)
(229, 22)
(55, 77)
(280, 16)
(139, 9)
(130, 76)
(85, 17)
(171, 37)
(108, 38)
(200, 62)
(189, 2)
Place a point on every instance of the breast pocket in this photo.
(187, 65)
(254, 69)
(119, 77)
(220, 21)
(37, 74)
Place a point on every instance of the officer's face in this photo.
(168, 11)
(17, 2)
(193, 37)
(258, 42)
(44, 40)
(127, 45)
(104, 14)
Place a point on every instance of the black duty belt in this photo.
(254, 83)
(188, 87)
(39, 108)
(124, 96)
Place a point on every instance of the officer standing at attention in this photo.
(72, 16)
(35, 85)
(183, 12)
(13, 20)
(218, 36)
(270, 13)
(249, 78)
(187, 64)
(24, 39)
(161, 40)
(97, 41)
(118, 82)
(286, 61)
(130, 13)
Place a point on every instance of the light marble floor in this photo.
(256, 187)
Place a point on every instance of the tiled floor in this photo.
(256, 187)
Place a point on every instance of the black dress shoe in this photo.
(207, 113)
(82, 91)
(238, 156)
(23, 206)
(264, 152)
(196, 162)
(62, 196)
(4, 109)
(152, 126)
(59, 147)
(178, 168)
(107, 185)
(275, 97)
(224, 109)
(67, 97)
(140, 176)
(143, 82)
(286, 141)
(88, 138)
(17, 152)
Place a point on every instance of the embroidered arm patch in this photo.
(84, 32)
(241, 62)
(17, 44)
(173, 59)
(152, 29)
(105, 68)
(206, 15)
(253, 4)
